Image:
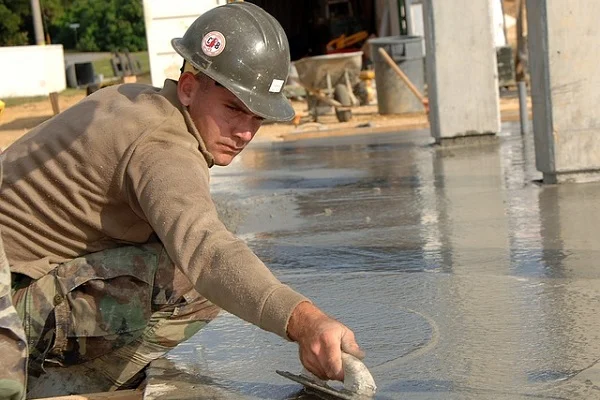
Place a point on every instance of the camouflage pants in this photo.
(112, 312)
(12, 338)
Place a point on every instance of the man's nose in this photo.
(244, 134)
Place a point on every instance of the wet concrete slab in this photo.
(461, 275)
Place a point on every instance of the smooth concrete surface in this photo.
(563, 42)
(461, 68)
(462, 276)
(31, 70)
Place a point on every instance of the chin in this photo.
(223, 160)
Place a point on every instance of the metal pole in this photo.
(38, 27)
(523, 113)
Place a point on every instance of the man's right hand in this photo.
(321, 340)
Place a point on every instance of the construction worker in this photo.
(115, 247)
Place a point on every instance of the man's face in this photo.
(224, 122)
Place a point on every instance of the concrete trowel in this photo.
(358, 381)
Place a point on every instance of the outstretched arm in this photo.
(321, 340)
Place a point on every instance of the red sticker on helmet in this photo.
(213, 43)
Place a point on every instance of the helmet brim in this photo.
(272, 106)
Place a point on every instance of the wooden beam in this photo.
(117, 395)
(54, 102)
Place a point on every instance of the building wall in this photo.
(31, 70)
(166, 20)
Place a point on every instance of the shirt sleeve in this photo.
(169, 179)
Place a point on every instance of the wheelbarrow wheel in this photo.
(343, 114)
(342, 95)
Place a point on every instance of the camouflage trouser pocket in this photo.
(34, 302)
(104, 302)
(91, 305)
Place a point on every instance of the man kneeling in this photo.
(115, 247)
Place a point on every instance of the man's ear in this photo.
(186, 87)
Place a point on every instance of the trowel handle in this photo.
(357, 378)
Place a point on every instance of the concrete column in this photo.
(563, 43)
(462, 72)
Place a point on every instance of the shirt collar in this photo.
(169, 91)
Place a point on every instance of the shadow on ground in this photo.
(24, 123)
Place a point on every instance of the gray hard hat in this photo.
(245, 49)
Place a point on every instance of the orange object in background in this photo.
(342, 43)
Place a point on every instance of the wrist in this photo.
(302, 318)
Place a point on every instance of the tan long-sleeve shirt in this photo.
(121, 164)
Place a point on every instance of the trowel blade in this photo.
(323, 391)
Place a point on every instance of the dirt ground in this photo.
(18, 120)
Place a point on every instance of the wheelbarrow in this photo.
(329, 79)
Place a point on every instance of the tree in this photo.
(53, 10)
(14, 16)
(108, 25)
(104, 25)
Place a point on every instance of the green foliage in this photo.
(52, 11)
(104, 25)
(108, 25)
(13, 16)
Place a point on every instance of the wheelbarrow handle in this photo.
(324, 99)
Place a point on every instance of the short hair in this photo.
(204, 80)
(188, 67)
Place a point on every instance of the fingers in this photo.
(312, 363)
(350, 346)
(324, 357)
(332, 360)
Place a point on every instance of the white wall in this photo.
(31, 70)
(498, 23)
(416, 18)
(416, 22)
(166, 20)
